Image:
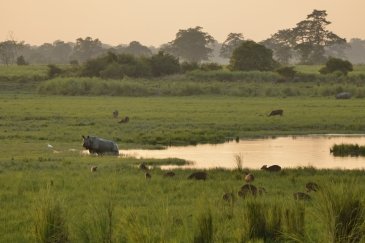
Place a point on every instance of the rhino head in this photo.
(87, 142)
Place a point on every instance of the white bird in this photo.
(49, 146)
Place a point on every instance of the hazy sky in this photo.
(154, 22)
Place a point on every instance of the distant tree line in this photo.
(309, 42)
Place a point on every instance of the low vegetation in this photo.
(348, 150)
(49, 193)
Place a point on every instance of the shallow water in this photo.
(290, 151)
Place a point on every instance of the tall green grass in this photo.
(50, 224)
(95, 86)
(341, 209)
(348, 150)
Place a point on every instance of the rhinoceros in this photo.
(100, 146)
(343, 95)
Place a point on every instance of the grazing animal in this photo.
(169, 174)
(147, 176)
(343, 95)
(93, 168)
(115, 114)
(261, 191)
(301, 196)
(247, 190)
(276, 113)
(100, 146)
(200, 175)
(228, 197)
(273, 168)
(124, 120)
(143, 166)
(249, 178)
(311, 186)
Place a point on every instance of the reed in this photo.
(342, 211)
(49, 221)
(347, 150)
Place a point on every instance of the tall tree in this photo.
(8, 51)
(232, 42)
(137, 49)
(311, 37)
(86, 49)
(191, 45)
(282, 44)
(61, 51)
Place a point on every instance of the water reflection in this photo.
(291, 151)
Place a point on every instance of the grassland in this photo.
(170, 120)
(51, 192)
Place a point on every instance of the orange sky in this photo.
(154, 22)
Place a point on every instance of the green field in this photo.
(47, 193)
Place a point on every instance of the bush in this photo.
(53, 71)
(20, 61)
(251, 56)
(286, 72)
(189, 66)
(164, 64)
(210, 66)
(337, 65)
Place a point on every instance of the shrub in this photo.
(336, 64)
(20, 61)
(252, 56)
(210, 66)
(188, 66)
(164, 64)
(53, 71)
(286, 72)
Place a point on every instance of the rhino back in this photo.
(101, 145)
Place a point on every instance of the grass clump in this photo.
(342, 212)
(348, 150)
(49, 219)
(273, 222)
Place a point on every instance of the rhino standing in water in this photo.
(100, 146)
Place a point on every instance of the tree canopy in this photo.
(191, 45)
(86, 49)
(309, 39)
(252, 56)
(232, 42)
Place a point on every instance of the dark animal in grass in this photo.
(343, 95)
(276, 113)
(228, 197)
(169, 174)
(124, 120)
(147, 176)
(100, 146)
(247, 190)
(311, 186)
(301, 196)
(261, 191)
(143, 166)
(93, 168)
(273, 168)
(249, 178)
(200, 175)
(115, 114)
